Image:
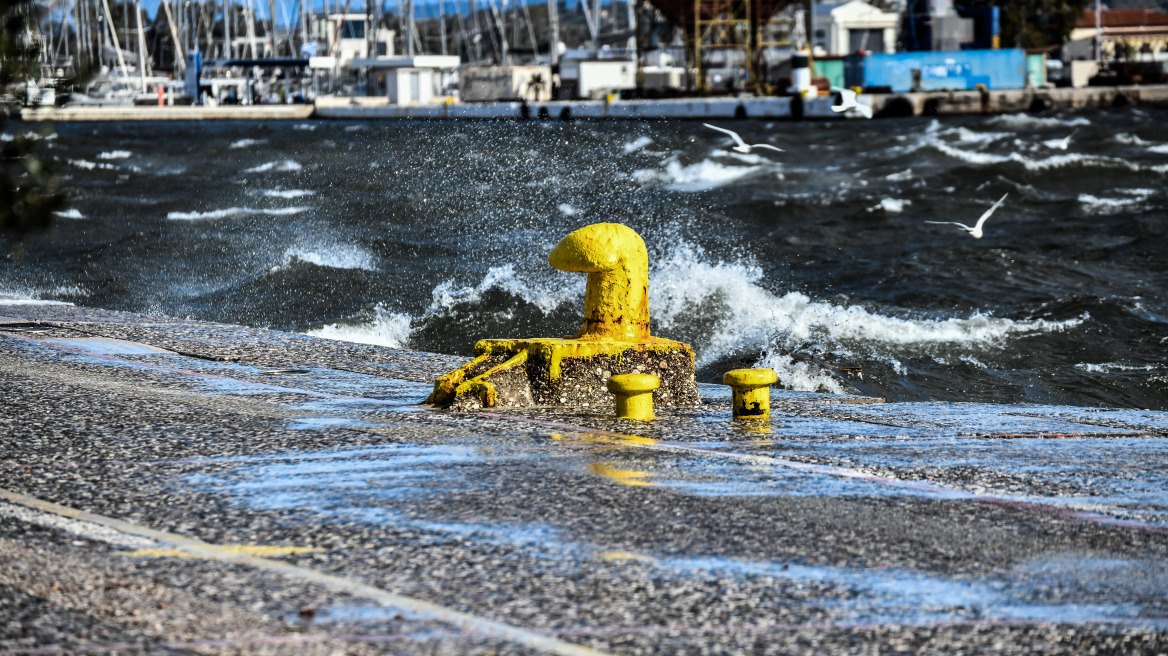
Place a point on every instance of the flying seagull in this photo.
(975, 231)
(742, 146)
(1060, 144)
(848, 100)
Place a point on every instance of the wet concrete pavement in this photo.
(171, 486)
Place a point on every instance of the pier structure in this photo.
(727, 107)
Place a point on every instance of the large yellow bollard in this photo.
(751, 391)
(575, 371)
(616, 299)
(634, 395)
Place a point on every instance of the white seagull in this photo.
(1060, 144)
(742, 146)
(975, 231)
(848, 100)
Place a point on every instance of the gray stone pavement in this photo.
(172, 486)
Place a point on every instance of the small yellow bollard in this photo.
(752, 392)
(634, 395)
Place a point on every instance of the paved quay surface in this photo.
(171, 486)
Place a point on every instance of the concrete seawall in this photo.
(884, 105)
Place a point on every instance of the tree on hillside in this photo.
(1034, 23)
(29, 194)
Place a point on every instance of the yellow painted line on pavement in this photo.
(423, 609)
(262, 551)
(624, 555)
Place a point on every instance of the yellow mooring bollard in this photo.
(634, 395)
(752, 392)
(573, 371)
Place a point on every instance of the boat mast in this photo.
(141, 45)
(442, 25)
(180, 48)
(229, 45)
(632, 9)
(554, 28)
(272, 24)
(109, 19)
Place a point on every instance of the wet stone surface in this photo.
(841, 525)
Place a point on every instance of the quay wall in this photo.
(714, 108)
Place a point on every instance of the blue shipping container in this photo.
(947, 71)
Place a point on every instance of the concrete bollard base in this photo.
(566, 372)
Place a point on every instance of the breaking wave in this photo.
(752, 319)
(725, 312)
(386, 328)
(503, 278)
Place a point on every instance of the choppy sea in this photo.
(432, 235)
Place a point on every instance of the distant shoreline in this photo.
(889, 105)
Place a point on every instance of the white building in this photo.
(843, 29)
(418, 80)
(346, 37)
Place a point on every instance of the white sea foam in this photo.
(702, 176)
(1044, 164)
(568, 210)
(247, 143)
(288, 193)
(1112, 205)
(906, 174)
(115, 154)
(283, 165)
(19, 296)
(637, 144)
(1131, 139)
(1160, 149)
(71, 213)
(385, 329)
(1027, 121)
(31, 136)
(234, 211)
(307, 127)
(89, 166)
(1112, 367)
(965, 135)
(335, 257)
(973, 157)
(891, 205)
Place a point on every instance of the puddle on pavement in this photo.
(382, 485)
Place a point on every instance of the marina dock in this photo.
(174, 485)
(779, 107)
